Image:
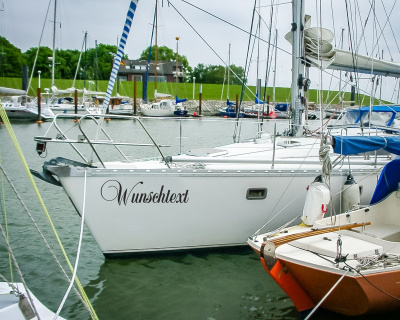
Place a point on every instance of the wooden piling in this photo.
(200, 93)
(39, 101)
(76, 104)
(134, 96)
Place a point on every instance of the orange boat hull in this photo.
(354, 295)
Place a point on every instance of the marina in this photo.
(116, 214)
(196, 285)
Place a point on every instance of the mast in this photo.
(229, 68)
(155, 58)
(176, 70)
(54, 44)
(298, 81)
(276, 48)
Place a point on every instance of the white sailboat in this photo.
(207, 198)
(163, 105)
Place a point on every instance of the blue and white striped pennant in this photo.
(120, 52)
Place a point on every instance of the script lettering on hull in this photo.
(112, 190)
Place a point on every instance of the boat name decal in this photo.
(112, 190)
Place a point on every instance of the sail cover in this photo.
(357, 144)
(388, 181)
(11, 91)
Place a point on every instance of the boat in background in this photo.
(163, 108)
(230, 110)
(18, 106)
(347, 263)
(259, 109)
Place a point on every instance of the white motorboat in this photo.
(163, 108)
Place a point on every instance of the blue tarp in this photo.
(282, 107)
(257, 100)
(364, 110)
(177, 100)
(388, 181)
(357, 144)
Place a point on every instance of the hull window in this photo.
(256, 193)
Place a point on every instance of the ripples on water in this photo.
(215, 285)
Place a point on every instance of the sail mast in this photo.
(155, 58)
(297, 68)
(54, 44)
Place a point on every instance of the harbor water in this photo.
(206, 285)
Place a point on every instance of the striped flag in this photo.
(120, 52)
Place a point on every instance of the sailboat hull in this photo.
(355, 295)
(153, 210)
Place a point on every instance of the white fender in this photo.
(350, 194)
(316, 204)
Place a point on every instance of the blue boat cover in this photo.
(177, 100)
(228, 103)
(282, 107)
(257, 100)
(388, 181)
(359, 144)
(364, 110)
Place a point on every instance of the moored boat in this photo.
(347, 263)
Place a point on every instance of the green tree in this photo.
(11, 59)
(217, 74)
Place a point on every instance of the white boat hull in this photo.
(157, 113)
(132, 211)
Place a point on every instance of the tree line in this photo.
(96, 63)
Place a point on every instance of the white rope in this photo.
(77, 254)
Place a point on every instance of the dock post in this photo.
(39, 106)
(134, 96)
(200, 94)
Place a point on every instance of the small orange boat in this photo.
(348, 263)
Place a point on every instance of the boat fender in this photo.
(316, 204)
(350, 194)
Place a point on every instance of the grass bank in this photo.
(182, 90)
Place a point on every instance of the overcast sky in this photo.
(21, 22)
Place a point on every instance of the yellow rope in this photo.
(7, 123)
